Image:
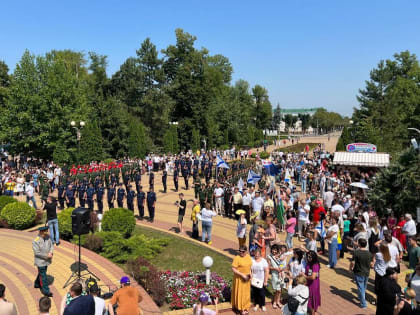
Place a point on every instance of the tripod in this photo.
(77, 268)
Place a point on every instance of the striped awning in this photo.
(361, 159)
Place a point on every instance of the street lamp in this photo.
(415, 129)
(207, 263)
(205, 145)
(78, 133)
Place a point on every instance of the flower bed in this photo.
(183, 288)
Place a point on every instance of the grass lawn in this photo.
(300, 147)
(182, 255)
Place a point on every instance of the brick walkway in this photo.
(18, 272)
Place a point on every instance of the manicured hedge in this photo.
(119, 220)
(5, 200)
(64, 223)
(18, 215)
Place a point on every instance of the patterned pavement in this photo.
(18, 272)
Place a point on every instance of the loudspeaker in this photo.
(80, 221)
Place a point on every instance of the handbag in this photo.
(255, 282)
(293, 303)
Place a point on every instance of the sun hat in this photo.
(240, 211)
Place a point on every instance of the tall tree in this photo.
(263, 110)
(389, 103)
(46, 93)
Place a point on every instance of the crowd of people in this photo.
(305, 200)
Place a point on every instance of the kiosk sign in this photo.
(361, 147)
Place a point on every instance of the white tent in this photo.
(361, 159)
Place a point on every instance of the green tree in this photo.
(397, 186)
(45, 94)
(195, 144)
(91, 143)
(305, 121)
(263, 111)
(290, 121)
(389, 103)
(138, 143)
(276, 118)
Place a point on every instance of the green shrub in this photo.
(5, 200)
(264, 155)
(64, 223)
(118, 249)
(108, 160)
(18, 215)
(254, 155)
(120, 220)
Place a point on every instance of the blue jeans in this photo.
(303, 187)
(361, 282)
(332, 253)
(33, 201)
(206, 230)
(289, 240)
(53, 225)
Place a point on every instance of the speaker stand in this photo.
(80, 271)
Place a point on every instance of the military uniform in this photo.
(41, 248)
(202, 194)
(111, 197)
(61, 189)
(81, 190)
(90, 192)
(197, 183)
(151, 202)
(164, 176)
(70, 197)
(141, 197)
(176, 179)
(120, 197)
(99, 198)
(130, 198)
(151, 179)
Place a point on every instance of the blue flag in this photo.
(270, 168)
(253, 177)
(220, 163)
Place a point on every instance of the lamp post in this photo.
(78, 133)
(415, 129)
(207, 263)
(205, 145)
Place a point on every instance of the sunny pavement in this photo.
(17, 272)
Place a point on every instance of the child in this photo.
(241, 229)
(276, 282)
(259, 241)
(283, 260)
(310, 242)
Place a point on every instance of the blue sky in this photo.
(306, 53)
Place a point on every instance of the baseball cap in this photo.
(125, 280)
(204, 297)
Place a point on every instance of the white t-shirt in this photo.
(246, 199)
(333, 228)
(296, 268)
(241, 229)
(303, 216)
(30, 191)
(257, 204)
(257, 268)
(218, 192)
(410, 228)
(207, 215)
(99, 306)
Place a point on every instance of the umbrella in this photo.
(359, 185)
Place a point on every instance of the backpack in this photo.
(372, 240)
(293, 303)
